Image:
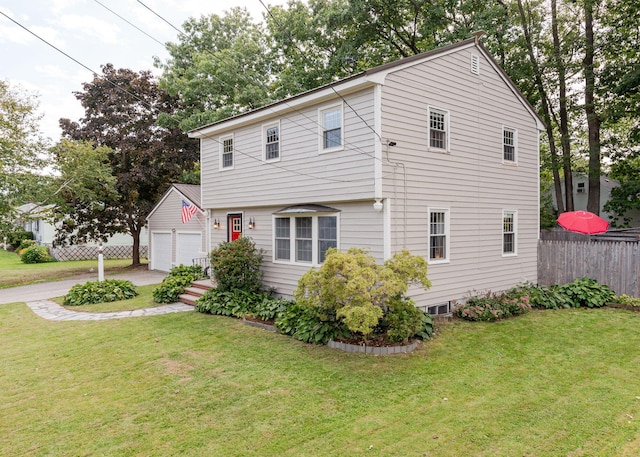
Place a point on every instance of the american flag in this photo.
(187, 211)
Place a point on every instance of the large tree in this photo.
(219, 67)
(22, 150)
(121, 113)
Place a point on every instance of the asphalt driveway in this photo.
(43, 291)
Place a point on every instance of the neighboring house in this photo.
(37, 219)
(436, 153)
(174, 240)
(581, 195)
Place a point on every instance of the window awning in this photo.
(307, 209)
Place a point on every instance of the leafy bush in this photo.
(175, 283)
(352, 288)
(36, 254)
(403, 320)
(542, 297)
(15, 237)
(108, 290)
(238, 303)
(236, 266)
(425, 331)
(586, 292)
(492, 307)
(628, 301)
(303, 323)
(24, 244)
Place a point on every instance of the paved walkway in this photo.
(48, 309)
(37, 297)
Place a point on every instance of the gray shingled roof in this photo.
(191, 191)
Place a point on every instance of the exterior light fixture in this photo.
(216, 224)
(378, 206)
(252, 223)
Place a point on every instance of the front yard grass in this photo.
(549, 383)
(16, 273)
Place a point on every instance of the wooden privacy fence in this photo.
(614, 263)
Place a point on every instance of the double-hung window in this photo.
(271, 134)
(509, 230)
(305, 238)
(438, 128)
(331, 126)
(226, 152)
(438, 235)
(509, 145)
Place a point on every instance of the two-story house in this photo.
(436, 153)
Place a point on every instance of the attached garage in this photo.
(177, 228)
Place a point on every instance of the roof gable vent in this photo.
(475, 64)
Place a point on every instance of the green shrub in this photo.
(586, 292)
(402, 320)
(542, 297)
(24, 244)
(175, 283)
(492, 307)
(628, 301)
(36, 254)
(15, 237)
(236, 266)
(304, 324)
(108, 290)
(236, 303)
(352, 288)
(425, 331)
(268, 308)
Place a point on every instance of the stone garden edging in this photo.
(375, 350)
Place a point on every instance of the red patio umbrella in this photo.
(583, 222)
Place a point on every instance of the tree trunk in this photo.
(135, 234)
(546, 109)
(565, 138)
(593, 120)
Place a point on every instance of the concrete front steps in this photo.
(197, 289)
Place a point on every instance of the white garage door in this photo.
(188, 247)
(161, 251)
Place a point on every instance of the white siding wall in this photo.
(303, 174)
(168, 218)
(471, 180)
(359, 226)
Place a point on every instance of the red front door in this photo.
(234, 224)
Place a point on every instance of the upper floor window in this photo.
(438, 235)
(438, 128)
(226, 152)
(271, 142)
(331, 124)
(509, 232)
(509, 144)
(304, 239)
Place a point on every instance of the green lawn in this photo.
(554, 383)
(15, 273)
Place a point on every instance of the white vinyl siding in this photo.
(438, 122)
(226, 153)
(331, 128)
(271, 138)
(509, 232)
(509, 144)
(438, 235)
(304, 239)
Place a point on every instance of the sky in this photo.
(91, 34)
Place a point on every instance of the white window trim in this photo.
(321, 111)
(447, 233)
(264, 141)
(233, 153)
(515, 145)
(447, 122)
(515, 233)
(292, 237)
